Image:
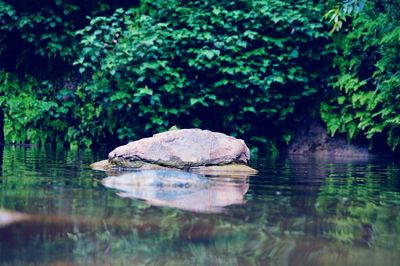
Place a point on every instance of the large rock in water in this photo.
(183, 148)
(188, 149)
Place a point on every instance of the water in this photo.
(296, 211)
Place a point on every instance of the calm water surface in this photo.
(296, 211)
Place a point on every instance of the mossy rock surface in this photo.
(230, 169)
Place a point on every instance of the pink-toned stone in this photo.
(182, 148)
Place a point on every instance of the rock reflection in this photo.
(180, 189)
(9, 217)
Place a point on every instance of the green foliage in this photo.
(368, 84)
(38, 88)
(25, 112)
(241, 67)
(41, 113)
(84, 72)
(338, 15)
(40, 38)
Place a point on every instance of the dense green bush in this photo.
(38, 46)
(87, 72)
(28, 116)
(367, 100)
(253, 69)
(48, 112)
(39, 37)
(248, 68)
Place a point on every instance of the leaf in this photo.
(341, 99)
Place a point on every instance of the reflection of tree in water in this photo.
(274, 227)
(295, 213)
(179, 238)
(361, 205)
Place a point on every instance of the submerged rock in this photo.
(189, 149)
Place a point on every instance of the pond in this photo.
(54, 210)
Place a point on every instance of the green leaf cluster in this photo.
(241, 67)
(95, 72)
(39, 37)
(366, 101)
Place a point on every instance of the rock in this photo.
(105, 165)
(228, 169)
(313, 139)
(183, 149)
(102, 165)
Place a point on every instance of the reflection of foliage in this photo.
(356, 214)
(31, 175)
(358, 207)
(131, 245)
